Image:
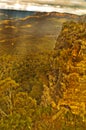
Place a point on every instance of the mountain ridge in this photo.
(70, 52)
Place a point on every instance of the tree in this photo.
(7, 93)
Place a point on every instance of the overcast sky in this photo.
(68, 6)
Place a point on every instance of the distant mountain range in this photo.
(10, 14)
(31, 31)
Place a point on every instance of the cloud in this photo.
(61, 2)
(68, 6)
(55, 8)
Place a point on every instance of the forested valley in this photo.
(46, 90)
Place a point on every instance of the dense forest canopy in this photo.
(45, 90)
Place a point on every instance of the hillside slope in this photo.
(70, 55)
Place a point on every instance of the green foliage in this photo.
(44, 90)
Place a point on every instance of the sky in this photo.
(64, 6)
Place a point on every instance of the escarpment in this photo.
(70, 58)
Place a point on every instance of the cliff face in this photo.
(83, 18)
(70, 59)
